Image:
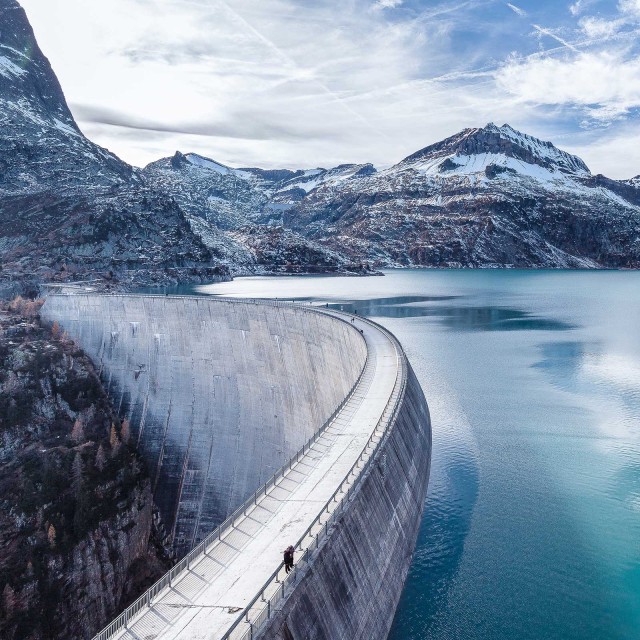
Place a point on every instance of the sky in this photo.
(309, 83)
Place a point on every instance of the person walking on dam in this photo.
(288, 558)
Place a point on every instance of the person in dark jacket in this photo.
(288, 558)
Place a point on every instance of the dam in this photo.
(264, 424)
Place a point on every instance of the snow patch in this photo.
(471, 165)
(206, 163)
(8, 68)
(65, 128)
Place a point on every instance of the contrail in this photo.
(549, 33)
(305, 72)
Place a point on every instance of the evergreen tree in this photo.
(8, 599)
(125, 431)
(51, 536)
(114, 441)
(77, 433)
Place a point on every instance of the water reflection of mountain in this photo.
(455, 317)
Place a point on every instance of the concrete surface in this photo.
(220, 394)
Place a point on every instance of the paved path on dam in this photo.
(204, 601)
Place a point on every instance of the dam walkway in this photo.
(228, 586)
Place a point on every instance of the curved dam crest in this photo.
(220, 394)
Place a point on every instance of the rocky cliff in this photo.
(68, 208)
(79, 536)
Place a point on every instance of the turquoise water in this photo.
(531, 526)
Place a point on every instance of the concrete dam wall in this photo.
(351, 586)
(219, 394)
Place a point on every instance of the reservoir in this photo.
(532, 522)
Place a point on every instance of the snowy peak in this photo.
(497, 141)
(186, 161)
(301, 181)
(208, 164)
(311, 179)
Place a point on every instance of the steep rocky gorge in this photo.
(80, 537)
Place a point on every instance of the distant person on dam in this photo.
(288, 558)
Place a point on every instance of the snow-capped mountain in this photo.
(490, 196)
(485, 197)
(502, 145)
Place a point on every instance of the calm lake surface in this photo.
(531, 528)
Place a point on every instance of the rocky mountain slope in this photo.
(67, 206)
(484, 197)
(76, 511)
(235, 214)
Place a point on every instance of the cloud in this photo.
(604, 85)
(243, 125)
(554, 36)
(630, 7)
(600, 28)
(518, 10)
(577, 7)
(388, 4)
(621, 150)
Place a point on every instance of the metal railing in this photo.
(205, 545)
(260, 609)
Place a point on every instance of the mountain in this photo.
(68, 208)
(40, 142)
(486, 197)
(236, 214)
